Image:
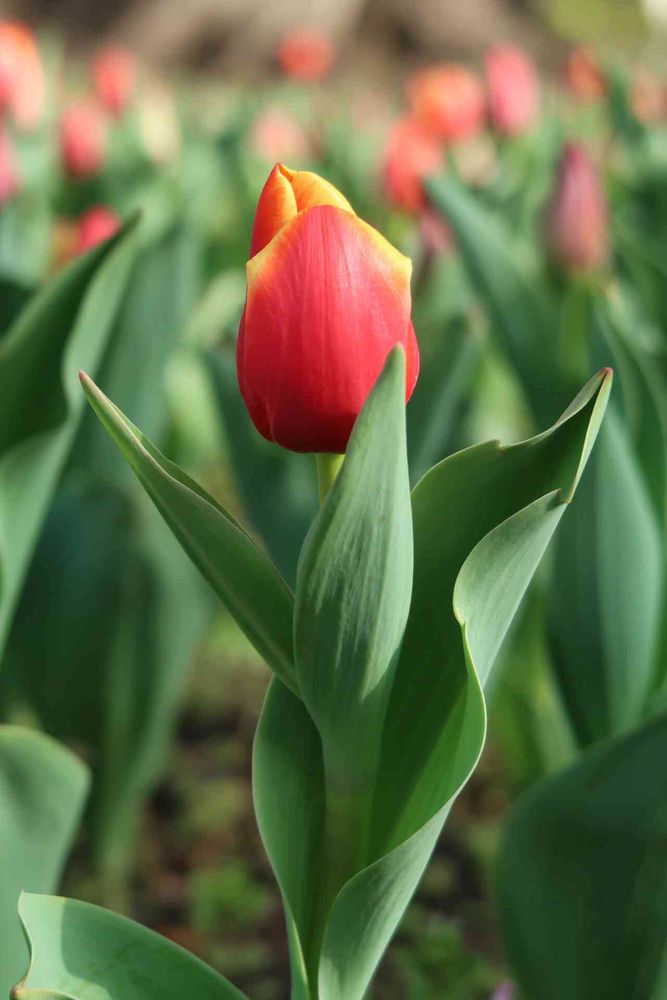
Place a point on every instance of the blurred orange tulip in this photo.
(448, 100)
(412, 153)
(577, 224)
(114, 77)
(306, 54)
(513, 87)
(584, 76)
(21, 75)
(82, 138)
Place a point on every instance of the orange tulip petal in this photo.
(276, 206)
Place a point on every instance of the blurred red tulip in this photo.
(306, 54)
(276, 135)
(584, 76)
(9, 170)
(577, 224)
(513, 87)
(114, 77)
(412, 154)
(21, 75)
(448, 100)
(82, 138)
(327, 299)
(95, 226)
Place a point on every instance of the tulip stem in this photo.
(328, 467)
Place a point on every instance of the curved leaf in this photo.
(82, 952)
(42, 792)
(227, 557)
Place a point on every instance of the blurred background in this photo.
(184, 120)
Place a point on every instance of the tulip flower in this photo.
(21, 75)
(513, 89)
(82, 138)
(276, 135)
(327, 299)
(412, 154)
(114, 78)
(448, 100)
(95, 226)
(306, 54)
(9, 171)
(577, 214)
(584, 76)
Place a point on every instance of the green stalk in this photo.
(328, 467)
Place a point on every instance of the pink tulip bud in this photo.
(514, 96)
(95, 226)
(276, 136)
(577, 213)
(306, 54)
(412, 154)
(448, 100)
(82, 138)
(114, 77)
(9, 170)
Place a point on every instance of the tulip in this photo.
(276, 135)
(82, 139)
(21, 75)
(448, 100)
(114, 78)
(95, 226)
(306, 54)
(514, 96)
(412, 154)
(577, 214)
(327, 299)
(9, 171)
(584, 76)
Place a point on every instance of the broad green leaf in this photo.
(64, 327)
(82, 952)
(278, 488)
(482, 519)
(513, 292)
(42, 790)
(582, 875)
(226, 556)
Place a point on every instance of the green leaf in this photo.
(512, 290)
(82, 952)
(224, 553)
(582, 875)
(42, 791)
(65, 326)
(482, 519)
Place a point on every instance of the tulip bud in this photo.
(114, 77)
(584, 76)
(412, 154)
(21, 75)
(327, 299)
(577, 214)
(9, 171)
(276, 135)
(82, 139)
(448, 100)
(514, 96)
(306, 54)
(95, 226)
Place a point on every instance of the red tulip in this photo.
(9, 171)
(21, 75)
(577, 214)
(448, 100)
(306, 54)
(114, 77)
(584, 76)
(276, 135)
(82, 138)
(412, 154)
(514, 95)
(95, 226)
(327, 299)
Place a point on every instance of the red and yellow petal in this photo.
(327, 299)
